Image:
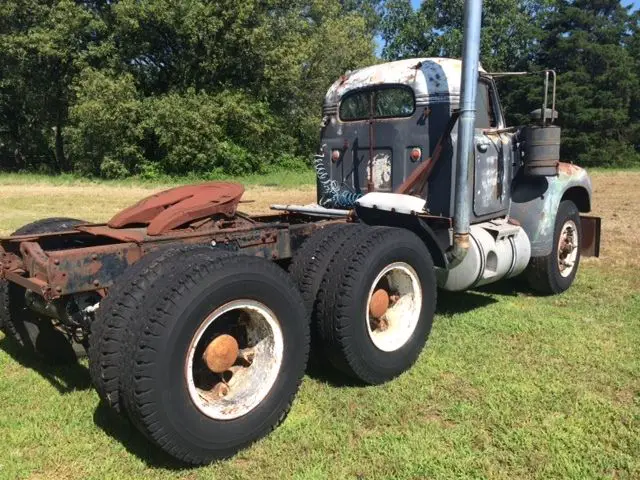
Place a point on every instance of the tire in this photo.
(131, 294)
(28, 329)
(156, 389)
(53, 224)
(544, 273)
(352, 344)
(309, 265)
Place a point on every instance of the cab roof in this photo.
(430, 78)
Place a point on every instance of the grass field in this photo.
(510, 385)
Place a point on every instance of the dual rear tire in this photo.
(205, 350)
(371, 293)
(209, 350)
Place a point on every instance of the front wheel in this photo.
(556, 272)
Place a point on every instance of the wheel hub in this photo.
(221, 353)
(234, 359)
(394, 306)
(379, 303)
(567, 248)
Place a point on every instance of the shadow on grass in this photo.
(452, 303)
(449, 303)
(65, 378)
(511, 287)
(322, 371)
(120, 429)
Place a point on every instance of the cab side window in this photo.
(485, 115)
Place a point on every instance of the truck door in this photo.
(493, 155)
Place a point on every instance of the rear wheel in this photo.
(132, 294)
(216, 364)
(376, 304)
(309, 266)
(29, 330)
(556, 272)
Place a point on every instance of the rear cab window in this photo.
(379, 102)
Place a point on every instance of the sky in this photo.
(635, 3)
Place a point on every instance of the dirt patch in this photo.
(617, 201)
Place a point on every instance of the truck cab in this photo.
(382, 123)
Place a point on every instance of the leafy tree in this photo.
(509, 33)
(587, 43)
(43, 47)
(171, 86)
(593, 46)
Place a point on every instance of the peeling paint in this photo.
(438, 79)
(381, 174)
(536, 202)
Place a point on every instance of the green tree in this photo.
(509, 30)
(589, 45)
(119, 87)
(43, 47)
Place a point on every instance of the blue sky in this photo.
(636, 3)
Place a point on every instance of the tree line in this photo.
(173, 87)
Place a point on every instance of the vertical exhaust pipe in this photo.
(465, 154)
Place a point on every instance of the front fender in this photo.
(535, 202)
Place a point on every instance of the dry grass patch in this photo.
(21, 204)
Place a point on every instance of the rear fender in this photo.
(436, 240)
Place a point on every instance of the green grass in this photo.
(510, 386)
(284, 179)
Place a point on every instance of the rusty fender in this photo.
(535, 202)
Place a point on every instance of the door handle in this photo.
(482, 147)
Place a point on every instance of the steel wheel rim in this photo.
(402, 316)
(246, 383)
(568, 245)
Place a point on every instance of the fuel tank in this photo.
(498, 250)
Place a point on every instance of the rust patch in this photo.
(167, 210)
(379, 303)
(128, 235)
(221, 353)
(568, 168)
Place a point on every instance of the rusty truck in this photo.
(198, 319)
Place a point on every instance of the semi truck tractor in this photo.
(198, 320)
